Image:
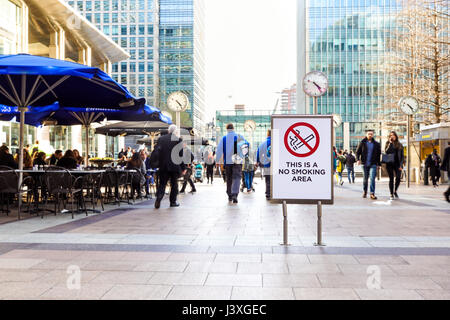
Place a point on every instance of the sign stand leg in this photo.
(285, 225)
(319, 226)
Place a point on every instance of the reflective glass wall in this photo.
(348, 42)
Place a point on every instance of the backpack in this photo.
(154, 158)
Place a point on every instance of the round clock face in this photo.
(177, 101)
(409, 105)
(315, 84)
(337, 120)
(249, 125)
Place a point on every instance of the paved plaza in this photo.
(210, 249)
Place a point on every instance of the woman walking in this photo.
(394, 160)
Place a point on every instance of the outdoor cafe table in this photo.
(38, 173)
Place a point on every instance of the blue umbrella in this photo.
(27, 80)
(57, 115)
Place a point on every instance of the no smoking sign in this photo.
(302, 140)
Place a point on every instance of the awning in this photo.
(62, 14)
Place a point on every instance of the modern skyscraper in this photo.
(347, 41)
(289, 99)
(165, 41)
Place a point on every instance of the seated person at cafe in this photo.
(39, 159)
(53, 160)
(27, 161)
(138, 179)
(6, 159)
(78, 157)
(68, 161)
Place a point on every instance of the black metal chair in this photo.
(62, 186)
(92, 185)
(10, 188)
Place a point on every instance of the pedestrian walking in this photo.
(210, 162)
(350, 165)
(433, 162)
(248, 168)
(170, 163)
(263, 160)
(187, 177)
(368, 154)
(340, 167)
(446, 167)
(229, 153)
(394, 158)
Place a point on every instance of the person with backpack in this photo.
(350, 164)
(340, 166)
(230, 155)
(263, 160)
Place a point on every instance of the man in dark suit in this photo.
(446, 167)
(171, 165)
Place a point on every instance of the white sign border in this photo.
(304, 201)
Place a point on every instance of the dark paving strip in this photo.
(6, 247)
(69, 226)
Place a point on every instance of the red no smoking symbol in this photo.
(301, 140)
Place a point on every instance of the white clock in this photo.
(409, 105)
(249, 125)
(337, 120)
(315, 84)
(178, 101)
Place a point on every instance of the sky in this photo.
(250, 52)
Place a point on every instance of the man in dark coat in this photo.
(171, 165)
(446, 167)
(6, 159)
(369, 154)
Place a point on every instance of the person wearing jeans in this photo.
(229, 153)
(263, 157)
(368, 154)
(350, 164)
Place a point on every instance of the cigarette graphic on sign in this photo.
(302, 140)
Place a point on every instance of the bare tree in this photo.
(417, 61)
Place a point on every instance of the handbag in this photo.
(388, 158)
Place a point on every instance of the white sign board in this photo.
(302, 159)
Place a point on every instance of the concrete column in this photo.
(82, 56)
(54, 47)
(23, 41)
(88, 53)
(101, 145)
(107, 67)
(302, 54)
(347, 136)
(62, 44)
(76, 139)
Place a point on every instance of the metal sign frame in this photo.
(303, 201)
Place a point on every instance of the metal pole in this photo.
(315, 105)
(21, 137)
(86, 161)
(408, 151)
(285, 225)
(178, 117)
(319, 225)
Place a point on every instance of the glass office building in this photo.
(347, 41)
(181, 49)
(165, 41)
